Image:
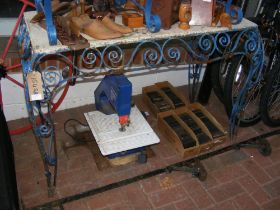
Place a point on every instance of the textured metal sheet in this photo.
(105, 129)
(202, 12)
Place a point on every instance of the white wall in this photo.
(6, 26)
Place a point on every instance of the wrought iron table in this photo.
(195, 47)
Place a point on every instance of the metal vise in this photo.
(113, 95)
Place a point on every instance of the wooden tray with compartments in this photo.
(191, 129)
(162, 97)
(215, 128)
(181, 137)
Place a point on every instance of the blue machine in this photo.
(113, 95)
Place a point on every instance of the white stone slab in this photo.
(40, 44)
(111, 140)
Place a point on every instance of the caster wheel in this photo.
(264, 147)
(142, 158)
(199, 171)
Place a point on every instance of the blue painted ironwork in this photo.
(24, 43)
(46, 8)
(235, 13)
(153, 22)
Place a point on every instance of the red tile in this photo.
(210, 182)
(121, 206)
(248, 183)
(136, 196)
(81, 205)
(198, 193)
(97, 202)
(226, 191)
(167, 196)
(245, 202)
(272, 205)
(150, 185)
(274, 170)
(168, 207)
(273, 188)
(106, 199)
(275, 155)
(186, 204)
(274, 141)
(227, 205)
(229, 173)
(256, 172)
(260, 196)
(258, 158)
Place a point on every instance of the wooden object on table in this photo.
(133, 20)
(185, 15)
(167, 10)
(217, 14)
(225, 20)
(66, 37)
(202, 12)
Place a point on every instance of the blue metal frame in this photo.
(46, 8)
(198, 50)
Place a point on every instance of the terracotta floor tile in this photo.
(228, 186)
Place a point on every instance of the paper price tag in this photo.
(35, 86)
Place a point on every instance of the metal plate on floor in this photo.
(111, 140)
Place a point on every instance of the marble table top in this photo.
(40, 43)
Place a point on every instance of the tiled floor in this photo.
(236, 179)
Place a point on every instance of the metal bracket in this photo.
(196, 169)
(262, 145)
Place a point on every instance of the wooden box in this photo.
(216, 139)
(153, 88)
(166, 84)
(172, 136)
(167, 10)
(202, 147)
(133, 20)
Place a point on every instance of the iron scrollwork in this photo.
(94, 62)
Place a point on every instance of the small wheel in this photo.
(264, 147)
(142, 158)
(199, 171)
